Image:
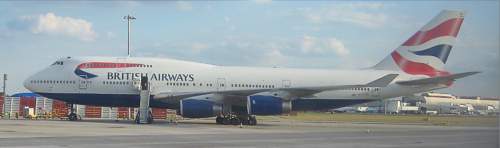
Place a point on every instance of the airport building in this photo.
(34, 105)
(449, 104)
(432, 103)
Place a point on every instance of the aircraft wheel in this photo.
(235, 121)
(72, 117)
(226, 121)
(252, 120)
(219, 120)
(245, 121)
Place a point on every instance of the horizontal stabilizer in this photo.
(437, 80)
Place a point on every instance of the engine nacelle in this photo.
(195, 108)
(267, 105)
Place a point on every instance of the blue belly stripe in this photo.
(131, 100)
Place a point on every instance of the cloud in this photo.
(263, 1)
(184, 6)
(362, 14)
(312, 44)
(257, 51)
(110, 34)
(198, 47)
(366, 5)
(274, 58)
(51, 24)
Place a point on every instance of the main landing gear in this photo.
(236, 120)
(72, 115)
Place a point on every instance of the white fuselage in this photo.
(120, 77)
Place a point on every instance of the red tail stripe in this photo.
(447, 28)
(415, 68)
(107, 65)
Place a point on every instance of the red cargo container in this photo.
(93, 111)
(1, 104)
(59, 108)
(159, 113)
(123, 112)
(26, 102)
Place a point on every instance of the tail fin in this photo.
(426, 52)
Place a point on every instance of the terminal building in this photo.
(449, 104)
(431, 103)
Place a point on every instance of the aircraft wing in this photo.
(437, 80)
(294, 91)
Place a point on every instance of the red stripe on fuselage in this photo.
(415, 68)
(447, 28)
(107, 65)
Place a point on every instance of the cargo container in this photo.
(93, 111)
(43, 106)
(109, 112)
(80, 110)
(124, 112)
(11, 105)
(159, 113)
(1, 104)
(59, 108)
(26, 102)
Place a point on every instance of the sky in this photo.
(263, 33)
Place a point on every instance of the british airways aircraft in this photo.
(236, 94)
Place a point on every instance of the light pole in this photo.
(129, 19)
(4, 82)
(3, 93)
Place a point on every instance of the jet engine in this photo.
(196, 108)
(267, 105)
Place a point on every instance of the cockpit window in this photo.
(58, 63)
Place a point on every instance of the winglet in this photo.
(383, 81)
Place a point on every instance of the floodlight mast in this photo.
(129, 19)
(4, 83)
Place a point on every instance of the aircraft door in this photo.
(221, 84)
(82, 83)
(375, 91)
(286, 83)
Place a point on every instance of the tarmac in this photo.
(205, 133)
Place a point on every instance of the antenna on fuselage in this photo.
(129, 19)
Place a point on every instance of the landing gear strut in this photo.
(236, 120)
(72, 115)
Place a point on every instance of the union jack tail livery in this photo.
(426, 52)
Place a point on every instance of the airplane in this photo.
(235, 95)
